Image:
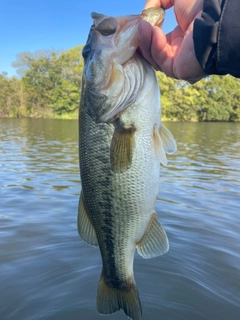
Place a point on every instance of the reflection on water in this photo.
(48, 272)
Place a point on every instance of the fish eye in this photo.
(107, 26)
(85, 51)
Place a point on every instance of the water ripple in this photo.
(48, 272)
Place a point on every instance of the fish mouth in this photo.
(118, 32)
(111, 46)
(112, 42)
(109, 25)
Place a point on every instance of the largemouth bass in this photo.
(121, 142)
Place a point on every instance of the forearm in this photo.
(217, 37)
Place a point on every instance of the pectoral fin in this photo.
(158, 145)
(85, 227)
(154, 242)
(168, 141)
(121, 150)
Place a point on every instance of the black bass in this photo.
(121, 142)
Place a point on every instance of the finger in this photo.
(152, 3)
(162, 51)
(166, 4)
(145, 38)
(186, 11)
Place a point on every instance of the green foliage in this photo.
(10, 96)
(214, 98)
(222, 97)
(50, 81)
(178, 99)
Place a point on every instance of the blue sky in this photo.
(31, 25)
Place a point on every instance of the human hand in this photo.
(173, 53)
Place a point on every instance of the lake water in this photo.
(47, 272)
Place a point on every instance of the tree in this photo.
(222, 99)
(10, 96)
(215, 98)
(51, 80)
(65, 97)
(178, 98)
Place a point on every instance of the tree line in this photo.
(49, 85)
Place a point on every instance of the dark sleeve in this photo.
(216, 37)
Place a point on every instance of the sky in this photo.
(31, 25)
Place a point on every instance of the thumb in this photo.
(152, 3)
(146, 45)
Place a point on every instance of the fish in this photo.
(122, 142)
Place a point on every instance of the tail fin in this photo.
(110, 300)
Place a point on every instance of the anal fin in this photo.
(85, 227)
(154, 242)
